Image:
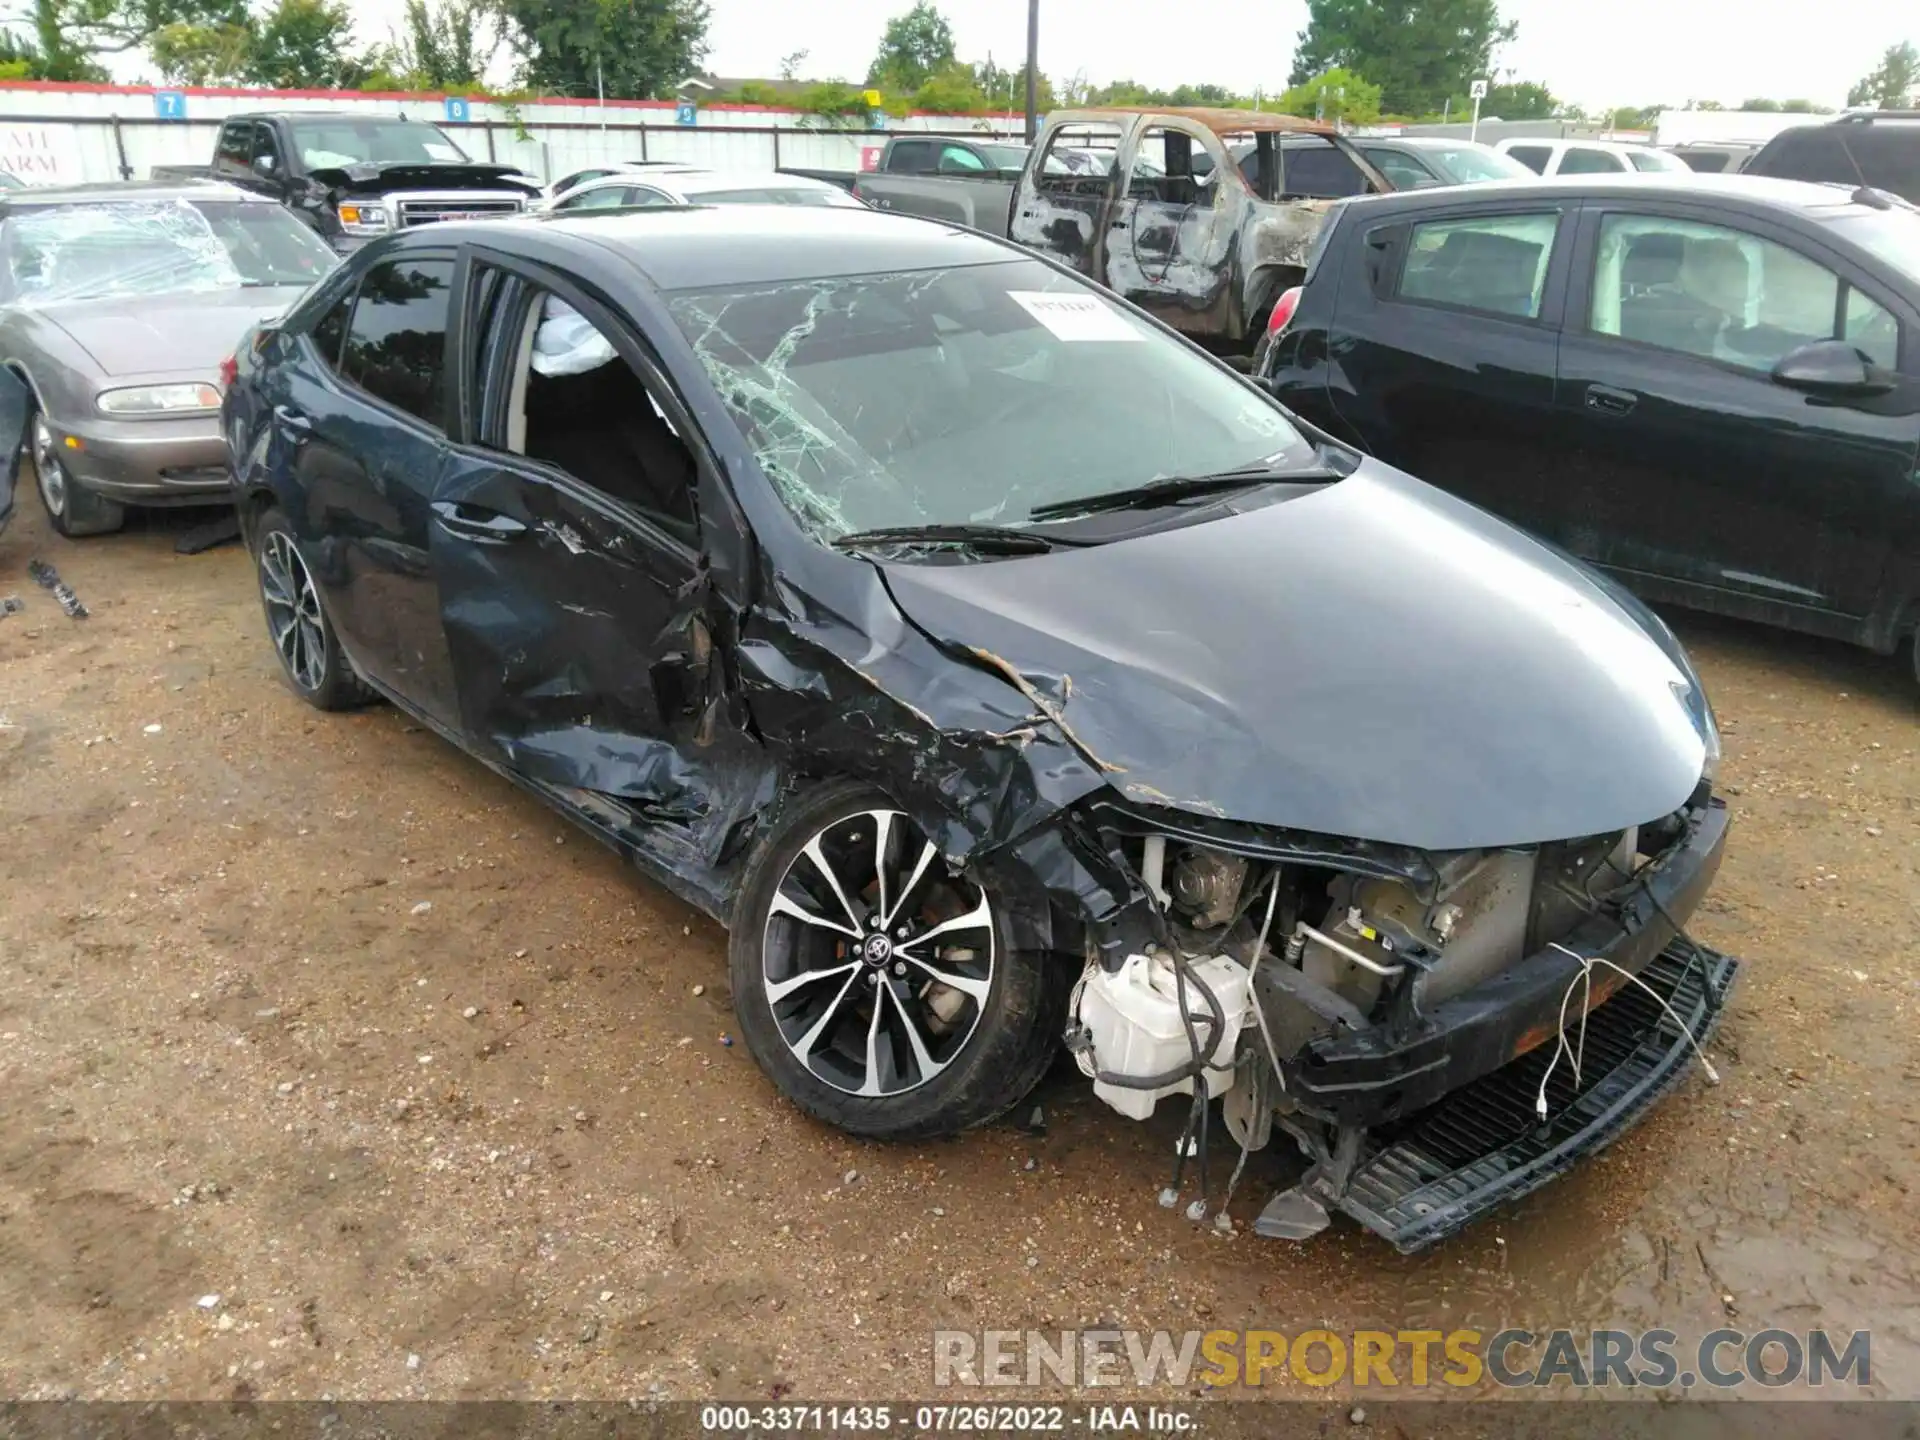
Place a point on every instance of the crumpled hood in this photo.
(187, 333)
(1375, 660)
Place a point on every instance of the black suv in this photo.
(1708, 389)
(1880, 148)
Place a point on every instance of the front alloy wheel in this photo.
(875, 961)
(876, 985)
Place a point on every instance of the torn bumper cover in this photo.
(1426, 1177)
(1369, 1079)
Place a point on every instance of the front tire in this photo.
(73, 510)
(879, 990)
(311, 660)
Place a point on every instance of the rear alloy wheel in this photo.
(310, 657)
(875, 985)
(73, 510)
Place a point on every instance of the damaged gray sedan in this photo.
(1004, 672)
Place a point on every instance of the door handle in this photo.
(292, 421)
(471, 522)
(1609, 401)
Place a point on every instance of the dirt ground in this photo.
(332, 1065)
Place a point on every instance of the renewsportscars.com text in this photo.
(1413, 1359)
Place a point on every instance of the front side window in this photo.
(1725, 295)
(1581, 160)
(959, 160)
(579, 177)
(1079, 159)
(1495, 263)
(397, 341)
(971, 395)
(236, 145)
(577, 405)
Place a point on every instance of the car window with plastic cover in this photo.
(1496, 264)
(1724, 294)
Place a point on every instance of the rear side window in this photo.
(1491, 263)
(329, 332)
(1534, 157)
(910, 157)
(1404, 171)
(397, 341)
(1581, 160)
(1707, 162)
(1318, 172)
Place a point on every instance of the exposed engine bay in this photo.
(1262, 968)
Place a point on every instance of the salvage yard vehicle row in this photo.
(907, 694)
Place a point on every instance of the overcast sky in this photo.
(1621, 52)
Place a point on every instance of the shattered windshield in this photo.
(967, 396)
(339, 141)
(91, 252)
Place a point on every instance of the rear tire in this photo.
(73, 510)
(848, 891)
(311, 660)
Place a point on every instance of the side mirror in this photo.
(1831, 368)
(263, 165)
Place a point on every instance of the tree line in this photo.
(1357, 61)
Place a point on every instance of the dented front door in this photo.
(576, 643)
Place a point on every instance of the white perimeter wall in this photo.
(61, 134)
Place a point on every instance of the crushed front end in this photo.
(1440, 1033)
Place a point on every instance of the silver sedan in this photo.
(118, 304)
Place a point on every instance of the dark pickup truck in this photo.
(357, 177)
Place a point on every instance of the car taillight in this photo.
(229, 371)
(1283, 309)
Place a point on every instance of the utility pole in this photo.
(1033, 69)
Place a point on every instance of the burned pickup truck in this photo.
(1001, 669)
(1189, 216)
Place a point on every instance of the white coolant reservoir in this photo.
(1133, 1015)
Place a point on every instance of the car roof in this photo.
(1797, 197)
(102, 192)
(701, 182)
(698, 180)
(697, 247)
